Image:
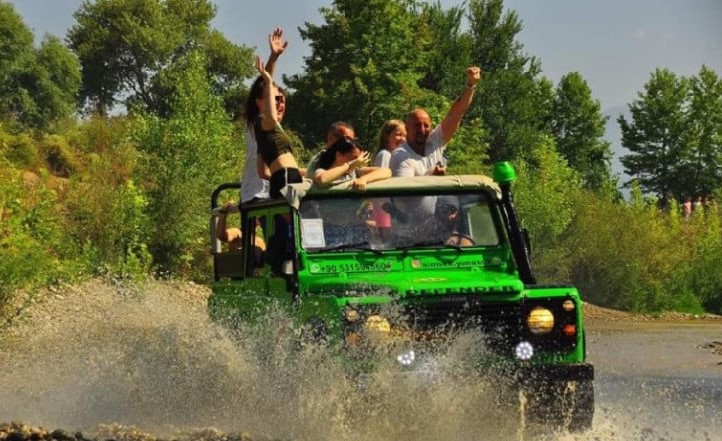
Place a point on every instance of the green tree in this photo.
(578, 127)
(450, 49)
(705, 132)
(546, 195)
(57, 81)
(125, 47)
(513, 102)
(184, 157)
(657, 137)
(36, 86)
(16, 44)
(365, 62)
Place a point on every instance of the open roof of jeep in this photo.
(295, 192)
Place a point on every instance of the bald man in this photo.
(423, 152)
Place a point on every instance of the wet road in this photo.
(657, 381)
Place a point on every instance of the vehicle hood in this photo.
(413, 283)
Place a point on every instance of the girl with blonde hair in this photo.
(391, 135)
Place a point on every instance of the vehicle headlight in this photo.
(524, 351)
(540, 321)
(377, 323)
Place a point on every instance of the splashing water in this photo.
(150, 357)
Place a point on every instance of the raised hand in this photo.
(276, 42)
(473, 75)
(361, 161)
(261, 68)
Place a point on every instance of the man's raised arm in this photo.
(453, 118)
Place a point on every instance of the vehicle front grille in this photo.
(500, 323)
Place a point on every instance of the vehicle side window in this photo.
(255, 228)
(281, 250)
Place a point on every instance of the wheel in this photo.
(566, 405)
(581, 405)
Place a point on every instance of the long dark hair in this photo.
(250, 108)
(342, 145)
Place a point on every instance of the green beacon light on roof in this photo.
(504, 173)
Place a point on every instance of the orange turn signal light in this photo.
(353, 339)
(569, 330)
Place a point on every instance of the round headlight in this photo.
(524, 351)
(568, 306)
(540, 321)
(377, 323)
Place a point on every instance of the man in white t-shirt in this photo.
(423, 154)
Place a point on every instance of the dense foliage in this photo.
(675, 135)
(129, 50)
(127, 195)
(37, 85)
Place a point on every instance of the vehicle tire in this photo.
(566, 405)
(581, 411)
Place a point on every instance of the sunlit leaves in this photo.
(125, 47)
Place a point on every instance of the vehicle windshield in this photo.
(359, 222)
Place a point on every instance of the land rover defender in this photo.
(441, 252)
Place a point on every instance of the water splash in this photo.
(149, 357)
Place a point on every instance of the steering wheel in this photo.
(463, 236)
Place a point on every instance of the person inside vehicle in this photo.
(448, 220)
(336, 131)
(234, 236)
(423, 152)
(346, 160)
(391, 135)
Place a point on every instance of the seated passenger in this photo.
(442, 226)
(447, 222)
(336, 131)
(346, 160)
(233, 236)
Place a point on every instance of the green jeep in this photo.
(408, 259)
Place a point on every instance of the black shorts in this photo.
(281, 177)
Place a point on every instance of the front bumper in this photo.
(553, 372)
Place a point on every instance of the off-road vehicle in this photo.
(407, 260)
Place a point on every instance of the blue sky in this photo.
(614, 44)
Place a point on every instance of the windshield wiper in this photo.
(428, 243)
(361, 246)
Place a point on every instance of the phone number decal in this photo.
(350, 267)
